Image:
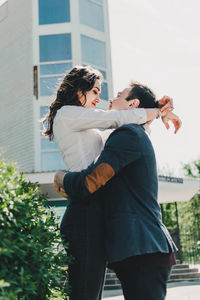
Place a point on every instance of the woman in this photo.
(72, 119)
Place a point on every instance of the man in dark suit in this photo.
(138, 245)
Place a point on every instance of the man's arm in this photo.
(120, 150)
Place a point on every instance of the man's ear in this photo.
(134, 103)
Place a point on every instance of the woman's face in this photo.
(92, 96)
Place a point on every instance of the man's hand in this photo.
(170, 116)
(165, 104)
(58, 183)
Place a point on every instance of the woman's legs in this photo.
(82, 228)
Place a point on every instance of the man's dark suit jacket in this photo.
(125, 177)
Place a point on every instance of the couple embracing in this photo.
(113, 218)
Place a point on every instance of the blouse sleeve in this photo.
(80, 118)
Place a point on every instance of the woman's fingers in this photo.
(177, 125)
(166, 104)
(166, 108)
(56, 186)
(62, 193)
(166, 122)
(58, 183)
(174, 119)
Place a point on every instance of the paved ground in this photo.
(185, 290)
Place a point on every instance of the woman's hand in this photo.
(170, 116)
(165, 104)
(58, 183)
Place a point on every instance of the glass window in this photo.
(54, 11)
(55, 47)
(103, 73)
(49, 85)
(104, 91)
(47, 145)
(93, 51)
(52, 161)
(99, 1)
(55, 68)
(43, 111)
(91, 14)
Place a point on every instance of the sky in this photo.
(158, 43)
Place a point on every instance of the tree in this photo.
(189, 220)
(190, 216)
(31, 251)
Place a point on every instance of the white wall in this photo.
(16, 83)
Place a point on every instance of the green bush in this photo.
(31, 252)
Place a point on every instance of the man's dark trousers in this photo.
(140, 281)
(133, 226)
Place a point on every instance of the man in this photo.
(138, 246)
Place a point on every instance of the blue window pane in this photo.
(49, 85)
(104, 91)
(91, 14)
(43, 111)
(55, 68)
(103, 73)
(99, 1)
(93, 51)
(52, 161)
(54, 11)
(55, 47)
(47, 145)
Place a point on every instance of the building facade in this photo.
(41, 41)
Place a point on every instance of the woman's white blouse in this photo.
(77, 136)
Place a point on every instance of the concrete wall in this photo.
(16, 83)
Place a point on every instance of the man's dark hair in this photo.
(144, 94)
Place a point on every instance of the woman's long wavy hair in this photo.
(77, 79)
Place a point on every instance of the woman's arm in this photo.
(80, 118)
(170, 116)
(152, 113)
